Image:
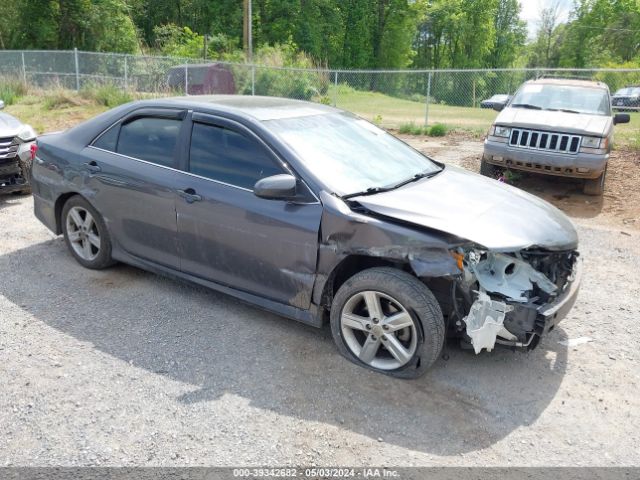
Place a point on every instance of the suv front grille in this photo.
(8, 148)
(548, 141)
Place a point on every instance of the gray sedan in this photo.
(314, 214)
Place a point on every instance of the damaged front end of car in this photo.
(512, 299)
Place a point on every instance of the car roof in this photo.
(569, 82)
(258, 107)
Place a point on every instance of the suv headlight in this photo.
(499, 131)
(27, 134)
(591, 142)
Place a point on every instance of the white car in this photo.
(17, 149)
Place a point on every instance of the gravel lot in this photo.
(123, 367)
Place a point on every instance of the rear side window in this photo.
(151, 139)
(109, 139)
(227, 156)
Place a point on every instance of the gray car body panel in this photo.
(460, 203)
(280, 255)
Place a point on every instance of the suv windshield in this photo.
(349, 154)
(571, 98)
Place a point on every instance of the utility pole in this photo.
(247, 30)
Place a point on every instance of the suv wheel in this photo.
(387, 320)
(488, 170)
(85, 234)
(595, 186)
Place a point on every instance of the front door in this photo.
(230, 236)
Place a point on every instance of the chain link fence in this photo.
(390, 98)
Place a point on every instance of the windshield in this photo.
(562, 97)
(349, 154)
(628, 91)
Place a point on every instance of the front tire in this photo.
(388, 321)
(86, 234)
(595, 187)
(488, 170)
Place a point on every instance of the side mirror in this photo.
(621, 118)
(498, 107)
(276, 187)
(1, 104)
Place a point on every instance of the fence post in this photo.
(75, 56)
(186, 79)
(335, 89)
(24, 69)
(474, 94)
(426, 113)
(126, 73)
(253, 79)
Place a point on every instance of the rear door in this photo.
(132, 175)
(230, 236)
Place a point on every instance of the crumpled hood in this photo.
(9, 125)
(485, 211)
(555, 121)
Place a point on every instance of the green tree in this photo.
(510, 34)
(37, 24)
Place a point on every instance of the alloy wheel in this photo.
(378, 330)
(83, 234)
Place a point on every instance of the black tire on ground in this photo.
(418, 301)
(103, 258)
(595, 186)
(488, 170)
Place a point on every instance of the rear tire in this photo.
(86, 234)
(388, 321)
(595, 186)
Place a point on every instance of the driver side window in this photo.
(230, 157)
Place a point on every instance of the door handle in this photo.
(93, 167)
(190, 195)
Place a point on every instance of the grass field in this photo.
(60, 109)
(391, 112)
(33, 110)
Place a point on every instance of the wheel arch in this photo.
(353, 264)
(350, 266)
(59, 206)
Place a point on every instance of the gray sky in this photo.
(531, 11)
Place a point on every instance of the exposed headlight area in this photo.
(499, 297)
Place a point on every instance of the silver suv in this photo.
(557, 127)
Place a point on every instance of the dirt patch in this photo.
(619, 207)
